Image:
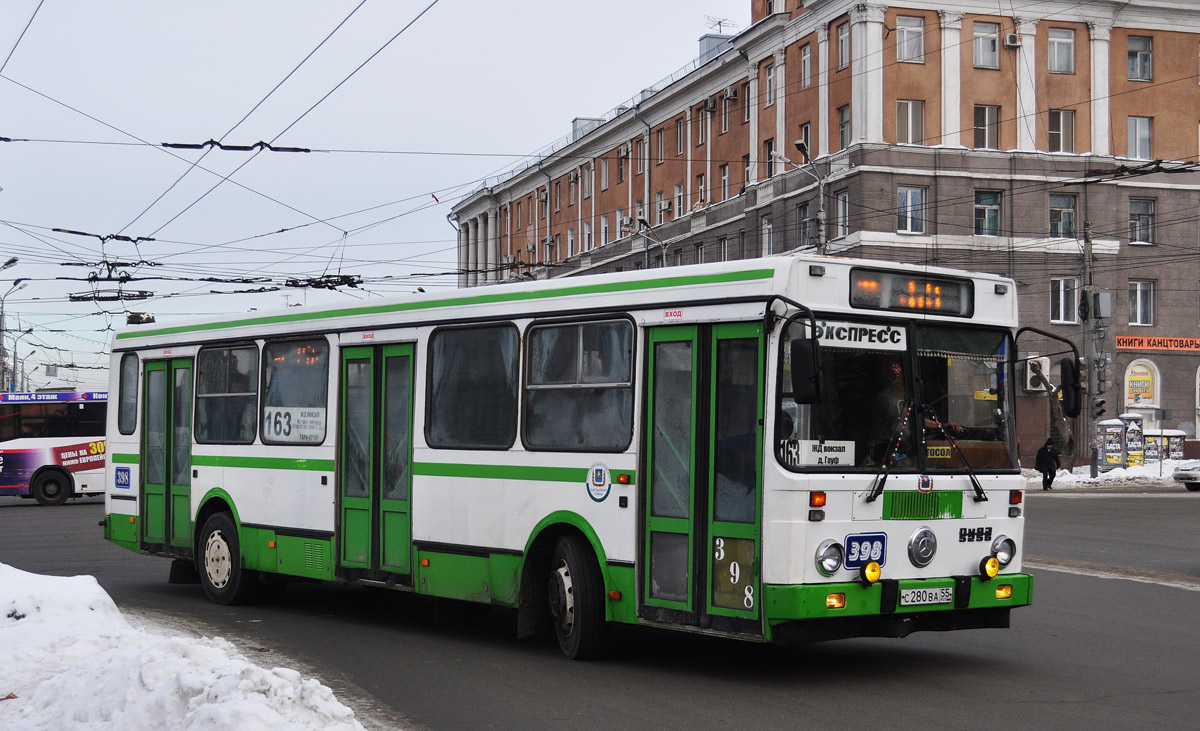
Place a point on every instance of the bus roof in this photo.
(638, 289)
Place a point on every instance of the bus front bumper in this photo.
(814, 612)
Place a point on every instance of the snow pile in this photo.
(70, 660)
(1146, 475)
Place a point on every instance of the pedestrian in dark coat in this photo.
(1047, 463)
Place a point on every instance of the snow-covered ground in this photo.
(70, 660)
(1151, 474)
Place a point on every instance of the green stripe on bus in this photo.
(665, 282)
(264, 463)
(124, 458)
(509, 472)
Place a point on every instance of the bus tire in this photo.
(1192, 486)
(575, 599)
(51, 488)
(220, 566)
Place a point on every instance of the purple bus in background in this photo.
(52, 444)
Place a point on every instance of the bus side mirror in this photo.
(1071, 393)
(806, 373)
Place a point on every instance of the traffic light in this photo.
(1069, 390)
(1098, 408)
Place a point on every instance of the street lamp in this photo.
(17, 285)
(815, 173)
(11, 384)
(17, 365)
(646, 228)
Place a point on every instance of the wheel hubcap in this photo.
(217, 566)
(51, 488)
(562, 599)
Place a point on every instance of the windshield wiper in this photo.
(903, 419)
(980, 495)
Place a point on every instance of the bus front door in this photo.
(701, 552)
(167, 457)
(375, 464)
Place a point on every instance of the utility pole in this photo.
(1087, 307)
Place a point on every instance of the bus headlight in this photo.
(1004, 549)
(830, 555)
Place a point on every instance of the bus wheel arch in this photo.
(52, 486)
(562, 590)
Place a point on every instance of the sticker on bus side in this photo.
(599, 483)
(813, 453)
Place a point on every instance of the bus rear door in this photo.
(166, 456)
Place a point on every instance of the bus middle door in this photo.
(167, 457)
(375, 464)
(704, 487)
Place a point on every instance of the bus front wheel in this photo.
(51, 488)
(574, 595)
(221, 573)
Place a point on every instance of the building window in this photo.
(910, 39)
(558, 195)
(910, 122)
(910, 210)
(1141, 58)
(723, 249)
(1141, 138)
(769, 155)
(768, 233)
(701, 125)
(679, 200)
(1062, 216)
(621, 168)
(726, 102)
(987, 45)
(604, 174)
(1062, 300)
(806, 138)
(843, 213)
(1061, 51)
(843, 45)
(699, 253)
(987, 127)
(587, 183)
(571, 242)
(519, 219)
(770, 85)
(641, 153)
(1062, 130)
(745, 103)
(604, 229)
(805, 233)
(1141, 221)
(987, 213)
(843, 127)
(679, 136)
(587, 235)
(725, 182)
(700, 188)
(660, 208)
(745, 170)
(806, 66)
(1141, 302)
(662, 145)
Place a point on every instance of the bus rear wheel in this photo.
(51, 488)
(575, 601)
(220, 566)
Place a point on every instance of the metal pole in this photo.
(1089, 350)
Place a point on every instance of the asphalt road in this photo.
(1111, 641)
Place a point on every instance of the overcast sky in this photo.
(90, 91)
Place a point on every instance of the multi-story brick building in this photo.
(921, 131)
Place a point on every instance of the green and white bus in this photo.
(786, 449)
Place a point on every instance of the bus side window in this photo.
(127, 395)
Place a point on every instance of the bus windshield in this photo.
(900, 398)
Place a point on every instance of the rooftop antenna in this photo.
(718, 24)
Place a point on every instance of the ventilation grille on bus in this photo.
(314, 556)
(910, 505)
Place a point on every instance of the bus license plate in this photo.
(937, 595)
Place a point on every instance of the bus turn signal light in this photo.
(424, 562)
(816, 500)
(835, 601)
(1015, 497)
(1004, 591)
(614, 595)
(622, 479)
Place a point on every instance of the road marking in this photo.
(1175, 581)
